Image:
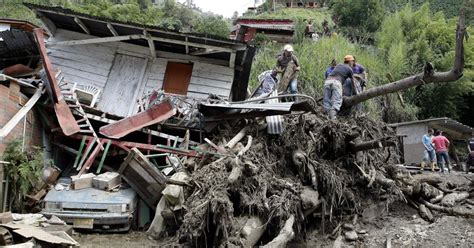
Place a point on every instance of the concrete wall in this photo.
(92, 63)
(11, 101)
(412, 143)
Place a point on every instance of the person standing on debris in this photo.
(330, 68)
(332, 100)
(268, 81)
(282, 64)
(429, 152)
(360, 73)
(441, 146)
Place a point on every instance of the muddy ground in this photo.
(398, 223)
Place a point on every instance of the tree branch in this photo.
(428, 76)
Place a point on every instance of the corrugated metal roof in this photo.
(441, 122)
(63, 11)
(288, 27)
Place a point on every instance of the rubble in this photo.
(206, 165)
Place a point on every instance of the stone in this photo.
(351, 236)
(363, 231)
(348, 226)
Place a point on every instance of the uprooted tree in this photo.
(269, 190)
(426, 77)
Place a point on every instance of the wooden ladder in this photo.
(83, 160)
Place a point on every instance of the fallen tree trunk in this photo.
(428, 76)
(452, 211)
(286, 235)
(369, 145)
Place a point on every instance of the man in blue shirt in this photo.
(429, 151)
(330, 68)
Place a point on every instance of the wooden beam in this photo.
(48, 24)
(96, 40)
(232, 60)
(184, 42)
(151, 44)
(112, 29)
(204, 52)
(187, 47)
(82, 25)
(186, 58)
(5, 130)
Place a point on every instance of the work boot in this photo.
(422, 166)
(449, 168)
(332, 114)
(441, 168)
(433, 166)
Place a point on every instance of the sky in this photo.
(224, 7)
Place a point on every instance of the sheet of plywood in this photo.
(177, 78)
(124, 80)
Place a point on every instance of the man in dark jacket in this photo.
(332, 100)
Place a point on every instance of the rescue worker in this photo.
(332, 100)
(330, 68)
(429, 151)
(282, 63)
(360, 73)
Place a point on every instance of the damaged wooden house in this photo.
(118, 69)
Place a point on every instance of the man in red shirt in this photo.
(441, 147)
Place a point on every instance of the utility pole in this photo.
(274, 5)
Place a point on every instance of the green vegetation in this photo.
(363, 15)
(404, 42)
(24, 171)
(408, 39)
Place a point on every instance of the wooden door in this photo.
(177, 78)
(120, 91)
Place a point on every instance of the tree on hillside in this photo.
(365, 14)
(427, 76)
(211, 24)
(408, 39)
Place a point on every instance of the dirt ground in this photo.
(400, 224)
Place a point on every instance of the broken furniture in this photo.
(107, 181)
(153, 115)
(82, 181)
(143, 177)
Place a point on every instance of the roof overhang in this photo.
(156, 38)
(450, 126)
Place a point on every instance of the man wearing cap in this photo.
(332, 101)
(282, 63)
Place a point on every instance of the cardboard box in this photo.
(82, 182)
(107, 181)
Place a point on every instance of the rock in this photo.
(363, 231)
(348, 226)
(451, 199)
(351, 236)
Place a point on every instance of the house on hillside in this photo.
(123, 63)
(412, 132)
(279, 30)
(297, 3)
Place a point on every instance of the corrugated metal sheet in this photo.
(442, 122)
(275, 122)
(286, 27)
(284, 106)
